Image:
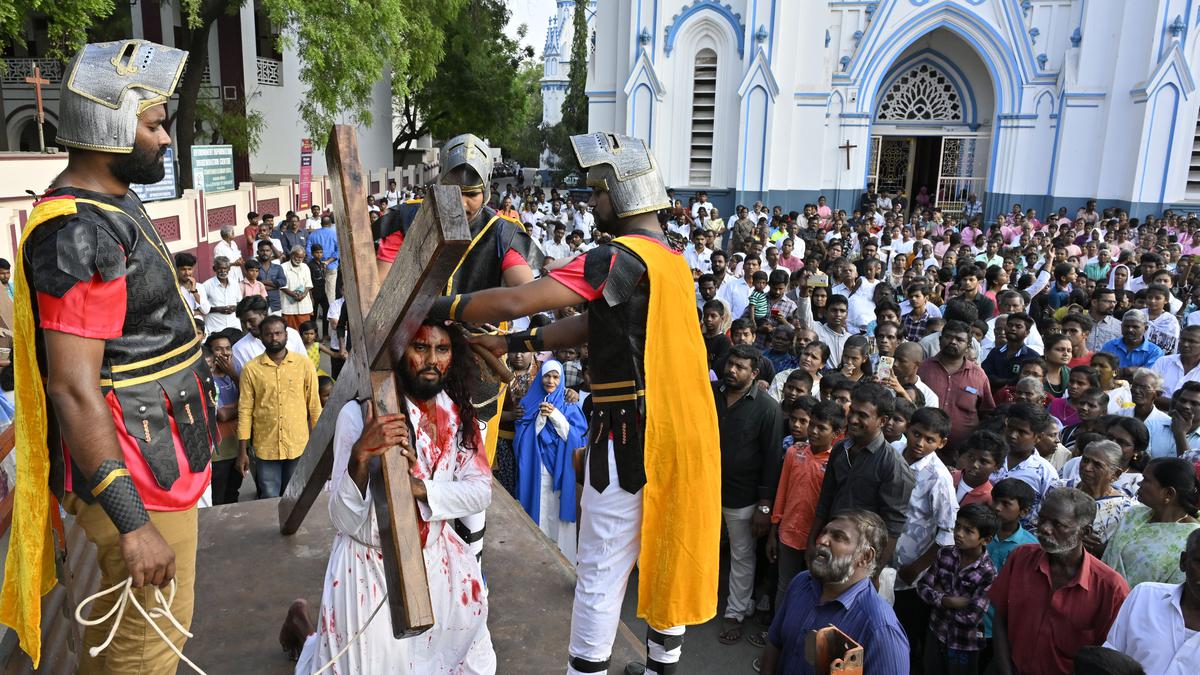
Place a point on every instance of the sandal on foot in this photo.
(731, 631)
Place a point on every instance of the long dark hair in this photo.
(461, 381)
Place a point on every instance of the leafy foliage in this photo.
(575, 103)
(68, 21)
(486, 84)
(228, 122)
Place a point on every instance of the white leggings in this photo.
(610, 539)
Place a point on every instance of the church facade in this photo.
(1045, 103)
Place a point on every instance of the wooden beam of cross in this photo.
(37, 81)
(847, 146)
(383, 318)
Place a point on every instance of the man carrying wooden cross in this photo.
(652, 488)
(501, 254)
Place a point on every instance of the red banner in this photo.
(304, 202)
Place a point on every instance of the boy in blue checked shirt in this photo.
(956, 588)
(1012, 498)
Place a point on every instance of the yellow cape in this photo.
(681, 506)
(29, 568)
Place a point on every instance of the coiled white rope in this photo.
(164, 610)
(127, 596)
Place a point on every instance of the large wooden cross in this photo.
(383, 318)
(37, 81)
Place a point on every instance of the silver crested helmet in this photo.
(108, 85)
(466, 151)
(626, 168)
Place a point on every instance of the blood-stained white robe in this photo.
(458, 482)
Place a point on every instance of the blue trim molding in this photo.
(724, 11)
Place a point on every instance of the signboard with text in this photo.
(212, 168)
(163, 189)
(305, 198)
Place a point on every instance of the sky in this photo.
(536, 15)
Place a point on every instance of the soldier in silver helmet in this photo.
(633, 287)
(126, 439)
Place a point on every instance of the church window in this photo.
(1193, 176)
(922, 94)
(704, 108)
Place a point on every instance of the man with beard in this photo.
(277, 406)
(251, 311)
(1105, 326)
(450, 479)
(959, 380)
(1060, 597)
(652, 485)
(271, 275)
(501, 253)
(109, 339)
(836, 591)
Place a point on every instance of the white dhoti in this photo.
(559, 531)
(458, 483)
(610, 539)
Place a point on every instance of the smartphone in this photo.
(884, 371)
(819, 280)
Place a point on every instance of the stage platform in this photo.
(248, 574)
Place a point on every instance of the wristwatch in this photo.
(764, 509)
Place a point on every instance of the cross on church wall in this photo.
(847, 146)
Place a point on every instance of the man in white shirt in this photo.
(558, 248)
(392, 196)
(736, 291)
(228, 249)
(251, 311)
(584, 221)
(701, 203)
(1157, 624)
(222, 294)
(313, 222)
(296, 297)
(1175, 369)
(698, 257)
(193, 292)
(1011, 302)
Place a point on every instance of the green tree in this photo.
(67, 25)
(526, 142)
(344, 48)
(478, 87)
(575, 102)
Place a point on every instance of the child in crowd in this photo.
(980, 456)
(308, 334)
(1012, 500)
(324, 388)
(714, 323)
(956, 588)
(799, 417)
(798, 385)
(799, 486)
(836, 388)
(1066, 409)
(856, 363)
(896, 426)
(1022, 425)
(931, 511)
(1091, 406)
(759, 304)
(249, 283)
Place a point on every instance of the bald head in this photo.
(910, 350)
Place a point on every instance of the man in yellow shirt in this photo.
(270, 414)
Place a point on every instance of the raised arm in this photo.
(503, 304)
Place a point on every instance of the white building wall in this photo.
(279, 151)
(1077, 99)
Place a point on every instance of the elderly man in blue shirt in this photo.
(837, 590)
(1132, 349)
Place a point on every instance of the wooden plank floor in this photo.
(248, 574)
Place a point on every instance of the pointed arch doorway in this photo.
(932, 126)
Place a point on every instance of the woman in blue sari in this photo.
(547, 436)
